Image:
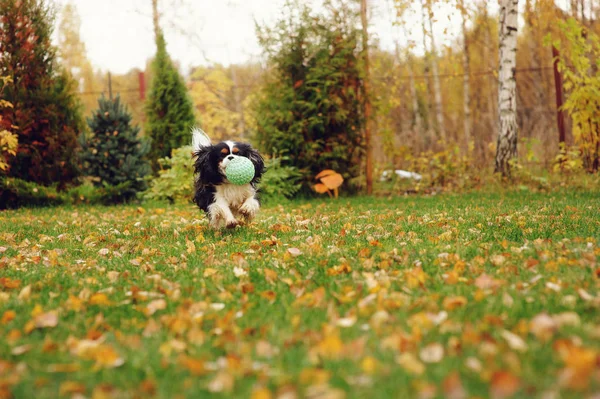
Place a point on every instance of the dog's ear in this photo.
(204, 167)
(259, 164)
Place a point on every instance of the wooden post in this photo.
(142, 82)
(367, 110)
(560, 116)
(109, 86)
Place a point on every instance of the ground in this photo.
(489, 295)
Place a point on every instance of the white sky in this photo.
(118, 33)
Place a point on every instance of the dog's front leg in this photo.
(249, 208)
(220, 213)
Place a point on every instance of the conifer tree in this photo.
(114, 154)
(170, 114)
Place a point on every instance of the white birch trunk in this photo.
(506, 149)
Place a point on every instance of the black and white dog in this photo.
(225, 204)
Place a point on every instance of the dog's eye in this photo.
(235, 150)
(225, 151)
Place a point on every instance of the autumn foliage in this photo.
(45, 112)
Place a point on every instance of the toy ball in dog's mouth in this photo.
(240, 170)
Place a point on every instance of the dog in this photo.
(225, 204)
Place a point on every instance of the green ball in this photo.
(240, 171)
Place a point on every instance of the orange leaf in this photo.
(452, 387)
(8, 316)
(7, 283)
(504, 385)
(194, 366)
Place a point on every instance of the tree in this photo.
(45, 113)
(433, 59)
(366, 94)
(467, 73)
(73, 57)
(579, 47)
(113, 154)
(506, 149)
(8, 141)
(170, 114)
(311, 107)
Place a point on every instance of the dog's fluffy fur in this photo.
(225, 204)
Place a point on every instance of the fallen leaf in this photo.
(223, 382)
(452, 387)
(19, 350)
(294, 252)
(504, 385)
(157, 304)
(46, 320)
(410, 363)
(451, 303)
(542, 326)
(514, 341)
(432, 353)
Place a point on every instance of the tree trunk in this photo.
(467, 75)
(506, 149)
(367, 101)
(437, 91)
(416, 115)
(427, 62)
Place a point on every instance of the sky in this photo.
(118, 34)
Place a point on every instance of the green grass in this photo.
(245, 316)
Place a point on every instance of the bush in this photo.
(310, 110)
(279, 181)
(447, 170)
(175, 181)
(15, 193)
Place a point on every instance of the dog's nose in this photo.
(230, 157)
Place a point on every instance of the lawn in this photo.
(489, 295)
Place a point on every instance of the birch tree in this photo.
(467, 74)
(437, 91)
(506, 149)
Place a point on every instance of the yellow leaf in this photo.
(454, 302)
(71, 387)
(410, 363)
(369, 365)
(261, 393)
(99, 299)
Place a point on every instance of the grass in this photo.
(483, 295)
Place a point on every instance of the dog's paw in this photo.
(232, 224)
(250, 208)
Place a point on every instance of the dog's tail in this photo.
(199, 139)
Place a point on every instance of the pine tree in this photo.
(45, 110)
(114, 154)
(169, 109)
